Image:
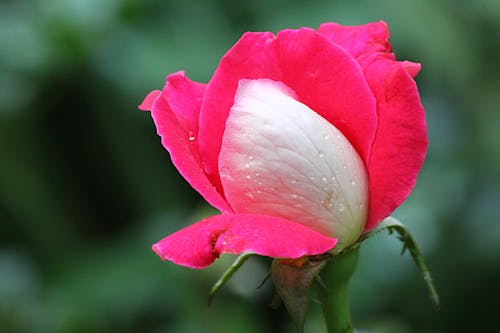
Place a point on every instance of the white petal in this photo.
(279, 157)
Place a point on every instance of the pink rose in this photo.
(303, 141)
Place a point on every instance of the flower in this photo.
(302, 140)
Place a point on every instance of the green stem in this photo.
(335, 298)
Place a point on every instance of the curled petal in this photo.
(198, 245)
(178, 133)
(148, 101)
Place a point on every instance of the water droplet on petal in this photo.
(225, 171)
(248, 194)
(353, 183)
(341, 207)
(324, 179)
(192, 137)
(294, 196)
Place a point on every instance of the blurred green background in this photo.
(86, 187)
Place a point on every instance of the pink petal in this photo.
(175, 114)
(198, 245)
(358, 40)
(148, 101)
(399, 148)
(184, 97)
(251, 57)
(330, 82)
(323, 76)
(411, 68)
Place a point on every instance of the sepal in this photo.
(292, 280)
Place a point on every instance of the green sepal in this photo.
(240, 260)
(292, 280)
(392, 225)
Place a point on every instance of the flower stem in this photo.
(334, 297)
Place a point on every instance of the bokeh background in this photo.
(86, 187)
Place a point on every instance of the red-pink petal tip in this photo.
(148, 101)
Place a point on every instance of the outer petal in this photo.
(399, 148)
(148, 101)
(175, 113)
(253, 56)
(198, 245)
(358, 40)
(323, 75)
(400, 144)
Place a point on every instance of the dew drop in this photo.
(250, 157)
(248, 177)
(321, 154)
(294, 196)
(324, 179)
(294, 181)
(249, 194)
(326, 137)
(192, 137)
(247, 165)
(225, 171)
(353, 183)
(333, 178)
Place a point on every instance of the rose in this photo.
(302, 140)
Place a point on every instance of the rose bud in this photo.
(303, 141)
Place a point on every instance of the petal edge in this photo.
(198, 245)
